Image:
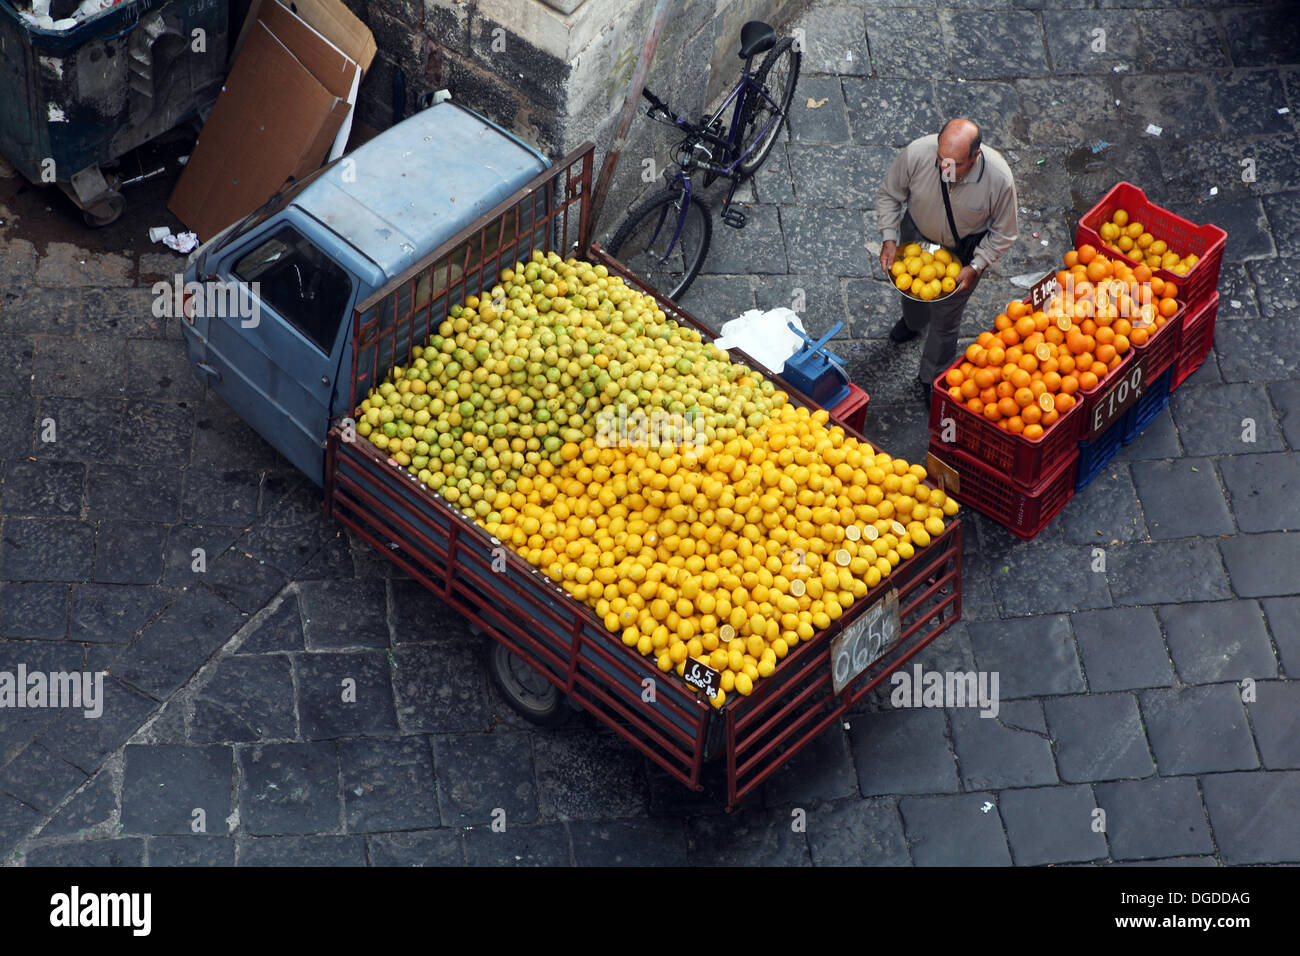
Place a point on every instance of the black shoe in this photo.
(924, 392)
(901, 333)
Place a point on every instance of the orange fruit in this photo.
(1033, 432)
(1023, 397)
(1015, 425)
(985, 378)
(1008, 407)
(1009, 336)
(1049, 418)
(1099, 369)
(1031, 414)
(1122, 327)
(1106, 352)
(970, 352)
(1028, 363)
(956, 394)
(1142, 273)
(1121, 345)
(1020, 378)
(1086, 253)
(1064, 403)
(1087, 382)
(954, 377)
(1052, 381)
(1014, 353)
(1016, 309)
(991, 412)
(1098, 270)
(1067, 364)
(1088, 327)
(1054, 335)
(1069, 384)
(1024, 326)
(989, 397)
(984, 339)
(969, 389)
(1038, 388)
(976, 406)
(1005, 389)
(1071, 259)
(997, 355)
(1003, 321)
(1169, 290)
(1168, 307)
(1138, 337)
(1104, 335)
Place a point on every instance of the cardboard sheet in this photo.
(285, 108)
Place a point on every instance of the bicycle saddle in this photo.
(756, 37)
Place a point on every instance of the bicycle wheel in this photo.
(644, 242)
(761, 124)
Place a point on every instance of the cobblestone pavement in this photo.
(1120, 690)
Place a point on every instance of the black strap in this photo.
(947, 205)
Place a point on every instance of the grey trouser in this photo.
(944, 318)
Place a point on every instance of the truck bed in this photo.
(515, 604)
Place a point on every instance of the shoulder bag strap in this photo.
(947, 205)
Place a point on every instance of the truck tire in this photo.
(535, 698)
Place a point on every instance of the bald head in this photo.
(959, 138)
(959, 146)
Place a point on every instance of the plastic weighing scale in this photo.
(817, 371)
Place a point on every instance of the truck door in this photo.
(277, 354)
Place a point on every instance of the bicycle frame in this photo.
(739, 95)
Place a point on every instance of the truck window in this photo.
(304, 286)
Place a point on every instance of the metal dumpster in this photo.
(75, 100)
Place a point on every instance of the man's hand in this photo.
(887, 255)
(967, 279)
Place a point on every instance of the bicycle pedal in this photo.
(733, 217)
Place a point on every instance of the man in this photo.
(982, 197)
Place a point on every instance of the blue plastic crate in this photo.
(1146, 408)
(1097, 454)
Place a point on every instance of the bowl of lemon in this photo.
(924, 271)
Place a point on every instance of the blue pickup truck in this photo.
(294, 313)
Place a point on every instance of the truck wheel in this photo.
(528, 692)
(105, 211)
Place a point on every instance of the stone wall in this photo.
(556, 73)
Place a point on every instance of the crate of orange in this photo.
(1132, 228)
(1016, 397)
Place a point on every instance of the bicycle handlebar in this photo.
(658, 105)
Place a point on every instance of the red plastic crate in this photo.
(1198, 336)
(1205, 241)
(1022, 460)
(1024, 512)
(852, 411)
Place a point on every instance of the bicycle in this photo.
(670, 259)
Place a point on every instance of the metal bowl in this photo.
(930, 247)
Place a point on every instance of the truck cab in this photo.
(267, 301)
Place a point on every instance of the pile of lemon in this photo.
(730, 553)
(1132, 240)
(924, 275)
(749, 528)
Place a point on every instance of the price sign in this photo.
(943, 474)
(865, 641)
(1043, 290)
(702, 677)
(1118, 398)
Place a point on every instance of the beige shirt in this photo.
(984, 199)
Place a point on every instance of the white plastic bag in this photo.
(764, 336)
